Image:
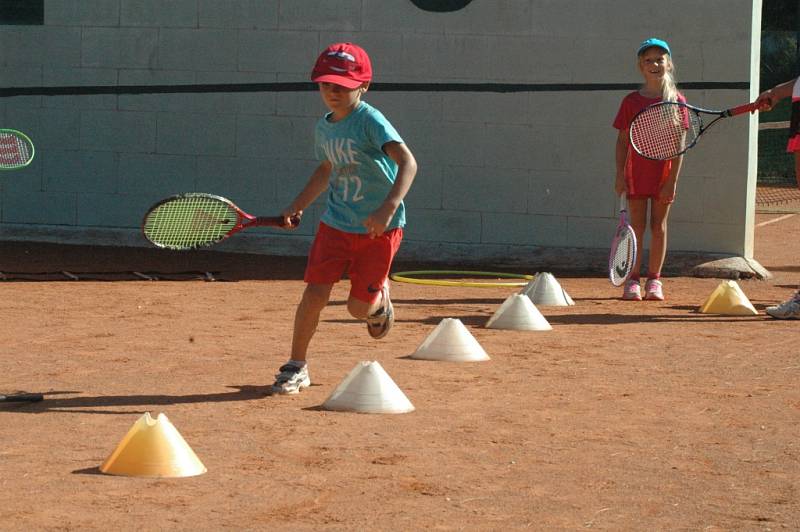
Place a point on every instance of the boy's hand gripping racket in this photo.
(16, 149)
(668, 129)
(194, 220)
(623, 248)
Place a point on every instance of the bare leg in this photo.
(361, 309)
(637, 209)
(658, 233)
(306, 319)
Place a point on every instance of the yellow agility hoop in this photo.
(406, 277)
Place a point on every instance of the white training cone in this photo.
(452, 342)
(153, 448)
(728, 299)
(545, 290)
(518, 313)
(368, 388)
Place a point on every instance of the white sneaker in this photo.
(378, 324)
(632, 290)
(653, 290)
(788, 310)
(291, 379)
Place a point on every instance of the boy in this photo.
(367, 169)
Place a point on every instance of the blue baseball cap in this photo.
(649, 43)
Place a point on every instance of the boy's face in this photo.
(341, 99)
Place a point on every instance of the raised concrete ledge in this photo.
(732, 268)
(472, 256)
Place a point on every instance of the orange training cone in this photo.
(728, 299)
(153, 448)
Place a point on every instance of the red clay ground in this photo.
(626, 416)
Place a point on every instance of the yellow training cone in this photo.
(728, 299)
(153, 448)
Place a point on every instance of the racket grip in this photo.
(274, 221)
(747, 108)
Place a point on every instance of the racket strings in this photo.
(189, 222)
(664, 131)
(14, 151)
(623, 256)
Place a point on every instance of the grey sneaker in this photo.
(378, 324)
(788, 310)
(291, 379)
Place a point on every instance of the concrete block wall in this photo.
(501, 174)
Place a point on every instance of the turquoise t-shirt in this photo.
(362, 174)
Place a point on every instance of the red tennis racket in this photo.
(195, 220)
(666, 130)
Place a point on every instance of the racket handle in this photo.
(21, 398)
(747, 108)
(274, 221)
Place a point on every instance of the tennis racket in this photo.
(666, 130)
(195, 220)
(16, 149)
(21, 398)
(623, 248)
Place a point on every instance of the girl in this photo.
(646, 182)
(789, 309)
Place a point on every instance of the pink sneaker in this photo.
(632, 292)
(653, 290)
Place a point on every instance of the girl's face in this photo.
(340, 100)
(654, 63)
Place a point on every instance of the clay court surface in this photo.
(645, 416)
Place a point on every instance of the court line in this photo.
(778, 219)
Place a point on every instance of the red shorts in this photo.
(366, 260)
(645, 177)
(794, 144)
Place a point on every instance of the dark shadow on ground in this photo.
(90, 403)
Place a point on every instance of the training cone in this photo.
(153, 448)
(545, 290)
(452, 342)
(368, 389)
(518, 313)
(727, 298)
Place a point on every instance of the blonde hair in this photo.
(669, 89)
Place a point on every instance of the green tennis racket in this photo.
(16, 149)
(196, 220)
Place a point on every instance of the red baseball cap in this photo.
(344, 64)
